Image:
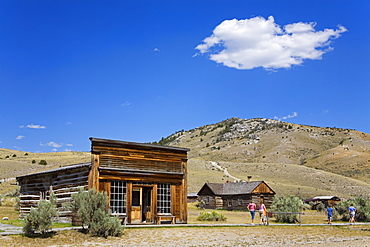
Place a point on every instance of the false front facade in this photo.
(144, 182)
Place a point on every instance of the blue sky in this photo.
(142, 70)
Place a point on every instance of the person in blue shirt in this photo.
(352, 213)
(329, 212)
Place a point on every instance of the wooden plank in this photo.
(128, 201)
(93, 181)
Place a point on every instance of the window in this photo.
(240, 201)
(229, 203)
(164, 198)
(118, 197)
(207, 200)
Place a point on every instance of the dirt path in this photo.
(226, 172)
(209, 236)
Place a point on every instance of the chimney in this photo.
(249, 179)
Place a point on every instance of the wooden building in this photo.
(144, 182)
(235, 196)
(326, 200)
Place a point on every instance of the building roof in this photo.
(192, 194)
(57, 169)
(233, 188)
(125, 143)
(323, 198)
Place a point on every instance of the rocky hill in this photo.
(239, 144)
(292, 158)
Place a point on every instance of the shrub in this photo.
(93, 209)
(200, 204)
(103, 226)
(362, 209)
(214, 216)
(39, 220)
(43, 162)
(33, 161)
(320, 207)
(286, 204)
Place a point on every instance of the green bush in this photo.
(103, 226)
(43, 162)
(286, 204)
(320, 207)
(40, 219)
(93, 209)
(362, 209)
(214, 216)
(33, 161)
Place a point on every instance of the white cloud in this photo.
(257, 42)
(294, 114)
(324, 112)
(20, 137)
(33, 126)
(126, 104)
(52, 144)
(67, 150)
(69, 145)
(156, 49)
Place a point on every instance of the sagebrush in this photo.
(93, 209)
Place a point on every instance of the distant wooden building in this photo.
(326, 200)
(235, 196)
(144, 182)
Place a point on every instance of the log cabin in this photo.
(145, 183)
(235, 195)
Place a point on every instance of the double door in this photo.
(141, 204)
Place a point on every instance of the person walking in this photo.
(329, 212)
(263, 212)
(352, 213)
(252, 210)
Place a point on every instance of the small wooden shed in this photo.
(235, 196)
(144, 182)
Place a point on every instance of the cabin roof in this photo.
(323, 198)
(233, 188)
(192, 194)
(108, 142)
(57, 169)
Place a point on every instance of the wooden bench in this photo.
(166, 217)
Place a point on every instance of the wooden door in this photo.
(136, 205)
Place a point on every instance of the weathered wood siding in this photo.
(62, 182)
(127, 161)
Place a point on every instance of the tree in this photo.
(93, 209)
(287, 204)
(40, 219)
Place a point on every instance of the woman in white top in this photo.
(262, 211)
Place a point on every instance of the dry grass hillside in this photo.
(292, 158)
(15, 163)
